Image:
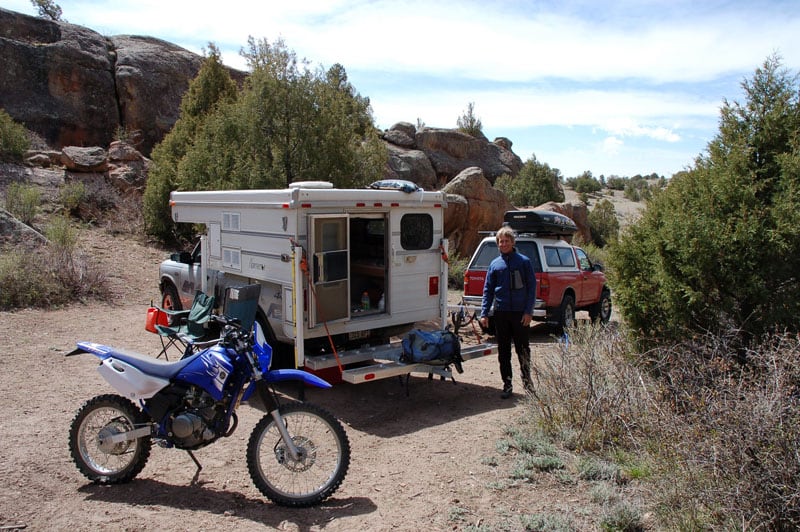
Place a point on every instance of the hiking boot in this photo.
(507, 392)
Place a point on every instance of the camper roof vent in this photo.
(311, 184)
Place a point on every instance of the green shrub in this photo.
(457, 266)
(62, 236)
(73, 196)
(14, 139)
(25, 281)
(22, 201)
(718, 248)
(622, 517)
(603, 223)
(469, 123)
(535, 184)
(49, 275)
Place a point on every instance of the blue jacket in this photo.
(519, 295)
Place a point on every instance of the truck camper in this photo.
(342, 271)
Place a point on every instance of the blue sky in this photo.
(616, 88)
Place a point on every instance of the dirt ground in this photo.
(423, 458)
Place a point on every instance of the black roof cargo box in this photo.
(540, 222)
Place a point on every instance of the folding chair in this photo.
(188, 326)
(241, 302)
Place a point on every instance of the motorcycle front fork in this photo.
(272, 406)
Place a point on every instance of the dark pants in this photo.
(508, 326)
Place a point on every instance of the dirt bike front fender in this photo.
(282, 375)
(265, 401)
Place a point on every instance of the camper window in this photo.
(416, 231)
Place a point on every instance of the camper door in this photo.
(329, 244)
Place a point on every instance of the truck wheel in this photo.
(171, 301)
(602, 309)
(566, 313)
(169, 297)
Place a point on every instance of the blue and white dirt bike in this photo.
(297, 455)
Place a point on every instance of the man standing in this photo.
(511, 286)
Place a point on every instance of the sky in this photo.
(616, 88)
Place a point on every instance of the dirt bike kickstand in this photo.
(199, 467)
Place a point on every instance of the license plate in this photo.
(358, 335)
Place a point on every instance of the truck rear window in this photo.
(416, 231)
(557, 257)
(488, 252)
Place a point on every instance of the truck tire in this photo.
(566, 313)
(601, 311)
(170, 300)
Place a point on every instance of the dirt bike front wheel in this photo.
(319, 470)
(99, 459)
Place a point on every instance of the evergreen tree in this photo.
(211, 87)
(469, 123)
(718, 247)
(535, 184)
(288, 124)
(48, 9)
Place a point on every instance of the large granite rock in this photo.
(58, 80)
(75, 87)
(451, 151)
(482, 209)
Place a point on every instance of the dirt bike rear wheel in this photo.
(103, 462)
(320, 470)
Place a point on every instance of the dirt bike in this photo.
(297, 455)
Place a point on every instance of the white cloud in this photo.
(611, 145)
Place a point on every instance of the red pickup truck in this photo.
(566, 280)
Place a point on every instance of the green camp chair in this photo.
(187, 326)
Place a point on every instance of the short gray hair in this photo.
(505, 231)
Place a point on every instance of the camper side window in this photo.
(416, 231)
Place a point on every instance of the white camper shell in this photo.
(352, 266)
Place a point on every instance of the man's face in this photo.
(505, 244)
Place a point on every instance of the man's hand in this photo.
(484, 321)
(526, 320)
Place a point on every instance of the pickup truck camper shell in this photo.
(356, 267)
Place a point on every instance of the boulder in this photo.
(451, 151)
(151, 77)
(75, 87)
(400, 134)
(77, 159)
(485, 206)
(127, 168)
(411, 165)
(58, 80)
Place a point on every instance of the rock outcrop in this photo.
(75, 87)
(432, 157)
(473, 205)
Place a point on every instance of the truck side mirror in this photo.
(597, 267)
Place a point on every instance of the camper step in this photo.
(477, 351)
(352, 356)
(391, 369)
